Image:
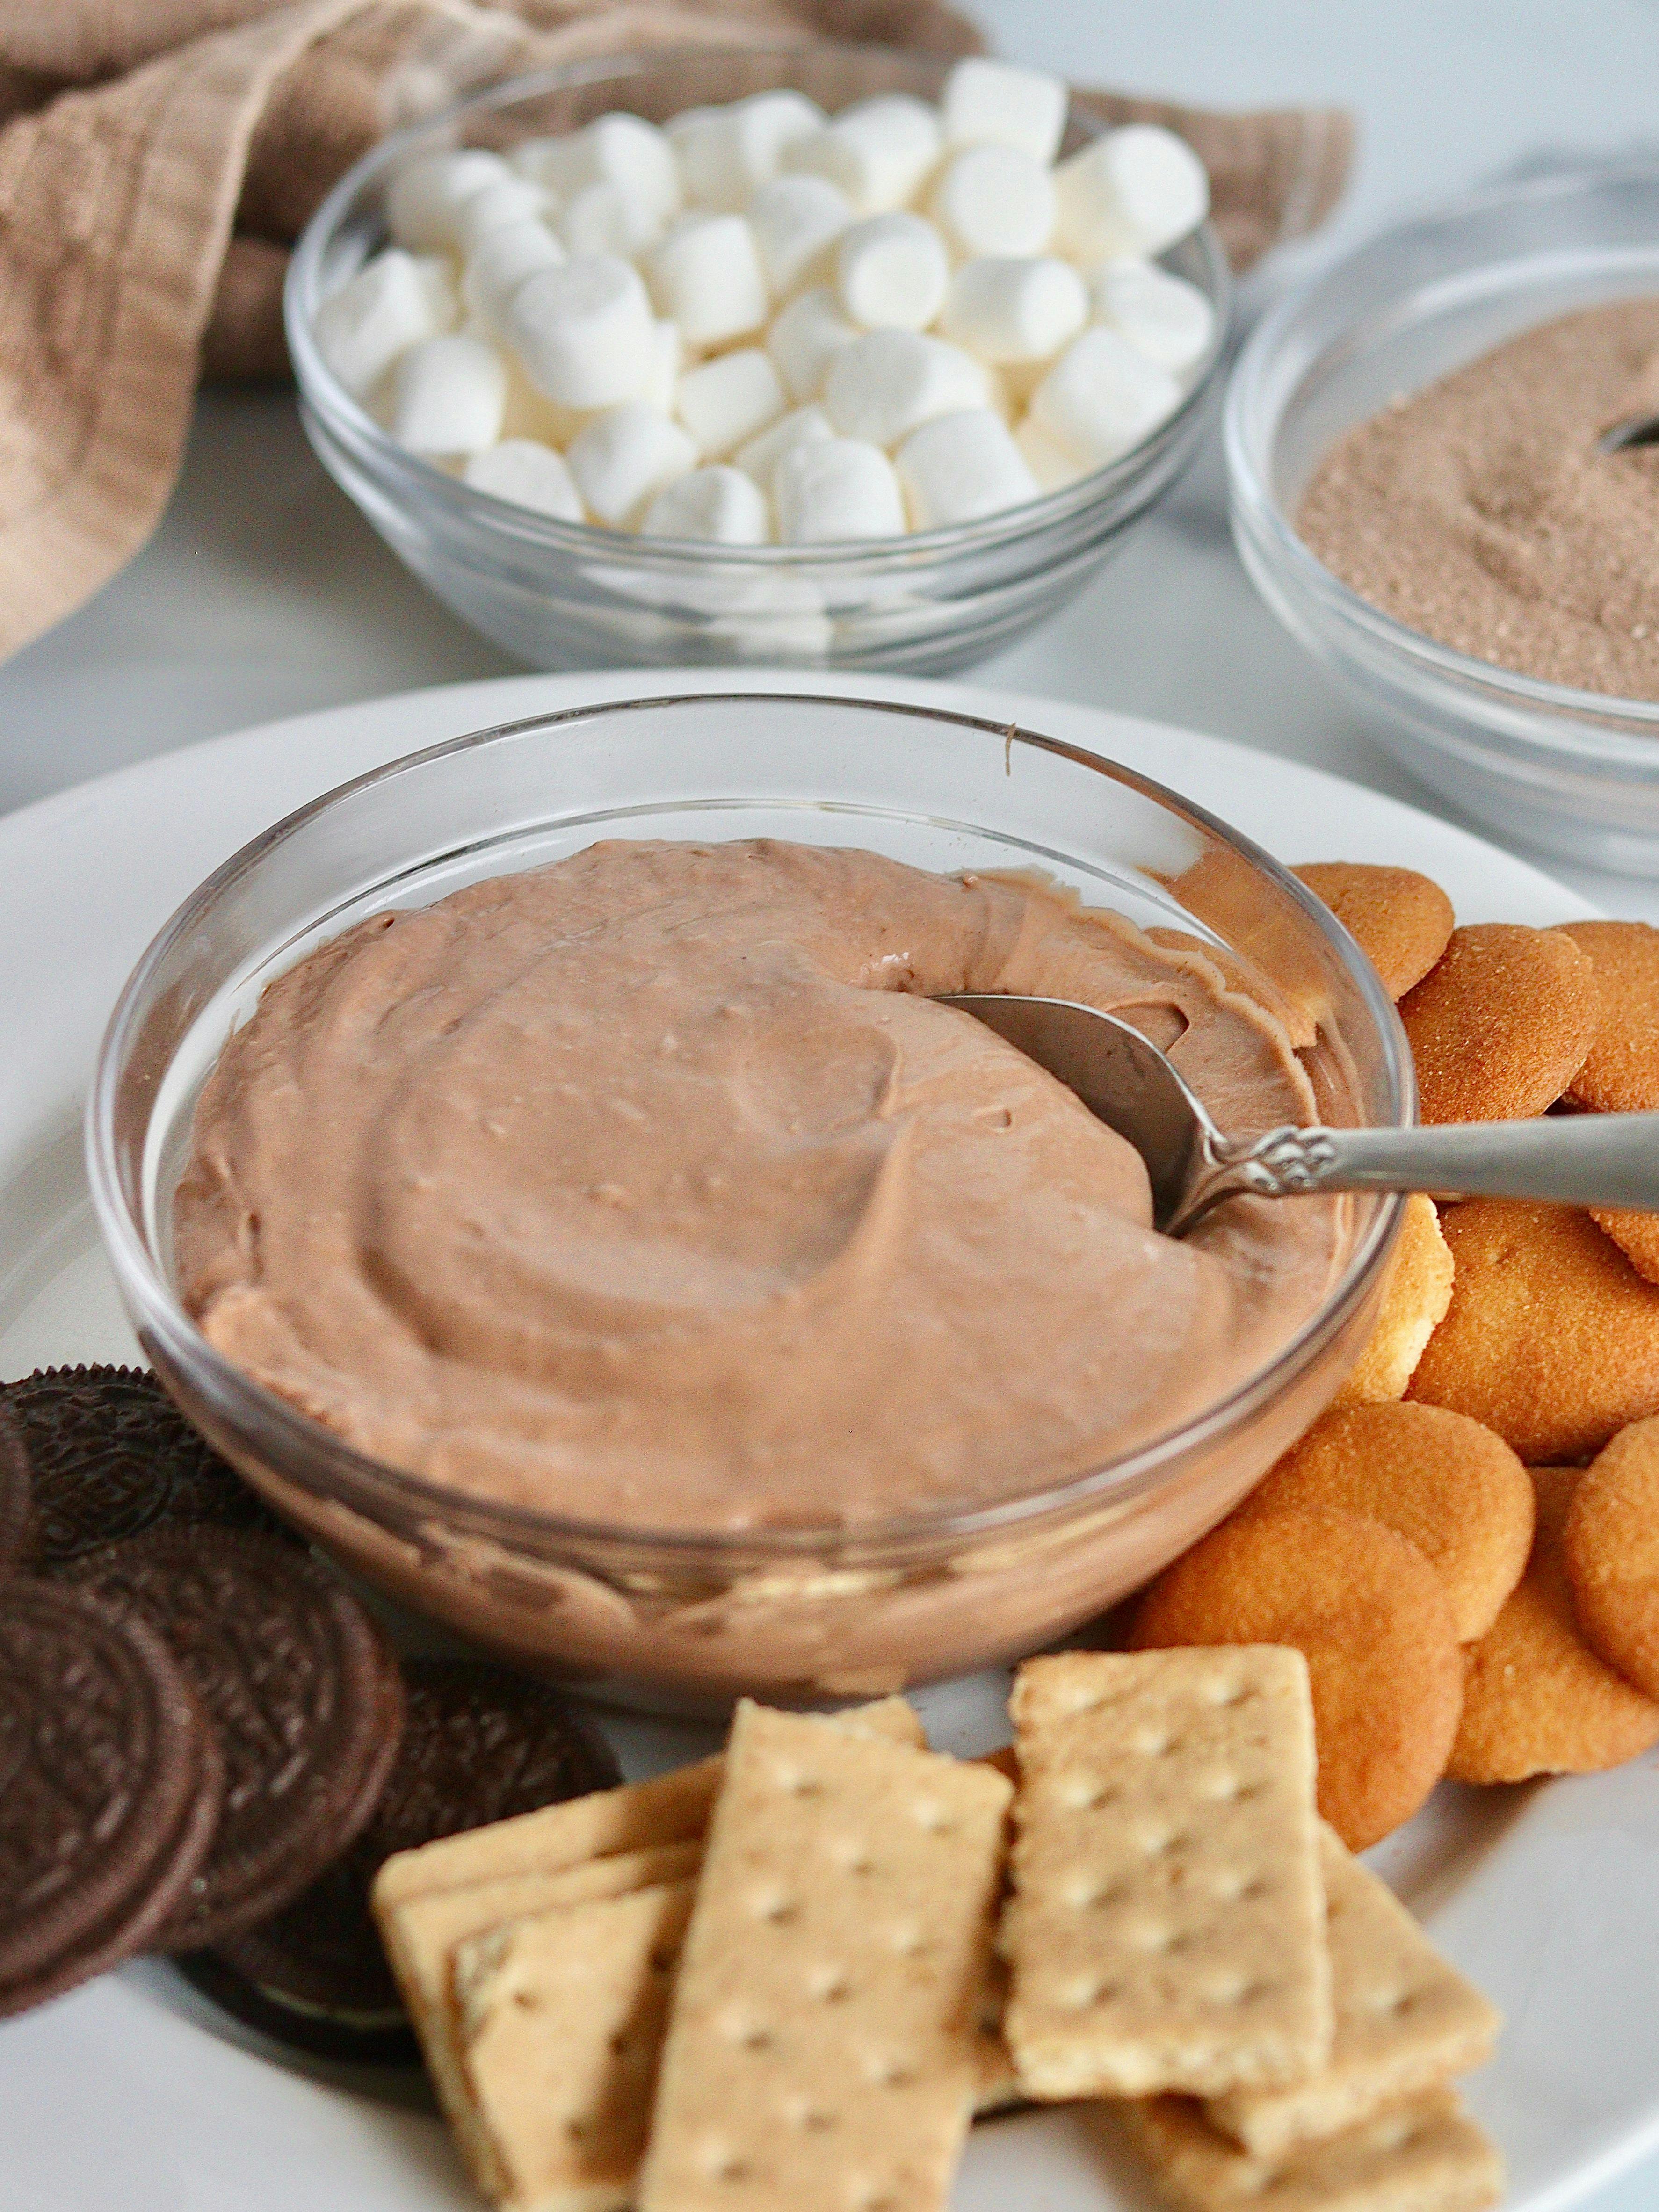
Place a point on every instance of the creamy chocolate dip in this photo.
(651, 1188)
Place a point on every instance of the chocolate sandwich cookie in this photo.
(16, 1494)
(111, 1455)
(480, 1744)
(111, 1785)
(300, 1687)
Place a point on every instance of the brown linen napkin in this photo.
(158, 157)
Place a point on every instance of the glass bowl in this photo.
(814, 1613)
(562, 595)
(1572, 773)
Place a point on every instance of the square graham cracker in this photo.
(1423, 2155)
(1167, 1925)
(821, 2051)
(1405, 2021)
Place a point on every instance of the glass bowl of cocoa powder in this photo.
(1421, 495)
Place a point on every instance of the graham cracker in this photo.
(821, 2047)
(1167, 1925)
(1405, 2021)
(561, 2026)
(1424, 2155)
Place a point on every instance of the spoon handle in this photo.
(1583, 1159)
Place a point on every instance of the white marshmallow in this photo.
(995, 199)
(1167, 318)
(892, 271)
(706, 275)
(447, 396)
(727, 153)
(501, 206)
(1004, 310)
(1101, 396)
(390, 305)
(531, 414)
(888, 383)
(608, 218)
(667, 359)
(584, 332)
(959, 467)
(1128, 195)
(1050, 463)
(795, 220)
(530, 475)
(562, 164)
(803, 426)
(726, 401)
(625, 458)
(619, 150)
(720, 504)
(424, 200)
(878, 151)
(501, 262)
(989, 103)
(833, 488)
(804, 338)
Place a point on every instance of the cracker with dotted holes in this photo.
(1167, 1925)
(1425, 2155)
(1405, 2021)
(561, 2017)
(821, 2050)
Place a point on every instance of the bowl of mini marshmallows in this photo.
(822, 356)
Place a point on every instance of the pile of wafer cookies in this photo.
(793, 1975)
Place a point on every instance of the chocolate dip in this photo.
(650, 1189)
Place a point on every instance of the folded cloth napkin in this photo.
(158, 157)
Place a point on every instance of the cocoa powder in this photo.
(1482, 512)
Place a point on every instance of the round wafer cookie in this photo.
(1620, 1074)
(1551, 1338)
(1636, 1236)
(1612, 1545)
(1372, 1619)
(1400, 921)
(1455, 1490)
(1501, 1025)
(1537, 1699)
(1415, 1298)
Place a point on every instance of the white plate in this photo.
(131, 2092)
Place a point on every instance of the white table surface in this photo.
(264, 594)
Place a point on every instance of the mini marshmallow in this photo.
(1101, 396)
(888, 383)
(706, 275)
(501, 206)
(805, 339)
(501, 262)
(447, 396)
(989, 103)
(531, 414)
(726, 154)
(1128, 195)
(803, 426)
(892, 271)
(667, 359)
(834, 489)
(1050, 463)
(609, 218)
(1164, 317)
(795, 221)
(617, 148)
(878, 151)
(995, 199)
(727, 400)
(390, 305)
(584, 332)
(959, 467)
(562, 164)
(625, 458)
(530, 475)
(720, 506)
(423, 201)
(1006, 310)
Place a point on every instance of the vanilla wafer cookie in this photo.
(1405, 2021)
(1425, 2155)
(821, 2049)
(1167, 1925)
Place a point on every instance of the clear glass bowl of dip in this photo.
(1571, 773)
(803, 1613)
(562, 595)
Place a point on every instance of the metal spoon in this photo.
(1588, 1159)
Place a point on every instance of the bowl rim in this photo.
(1256, 506)
(348, 417)
(311, 1445)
